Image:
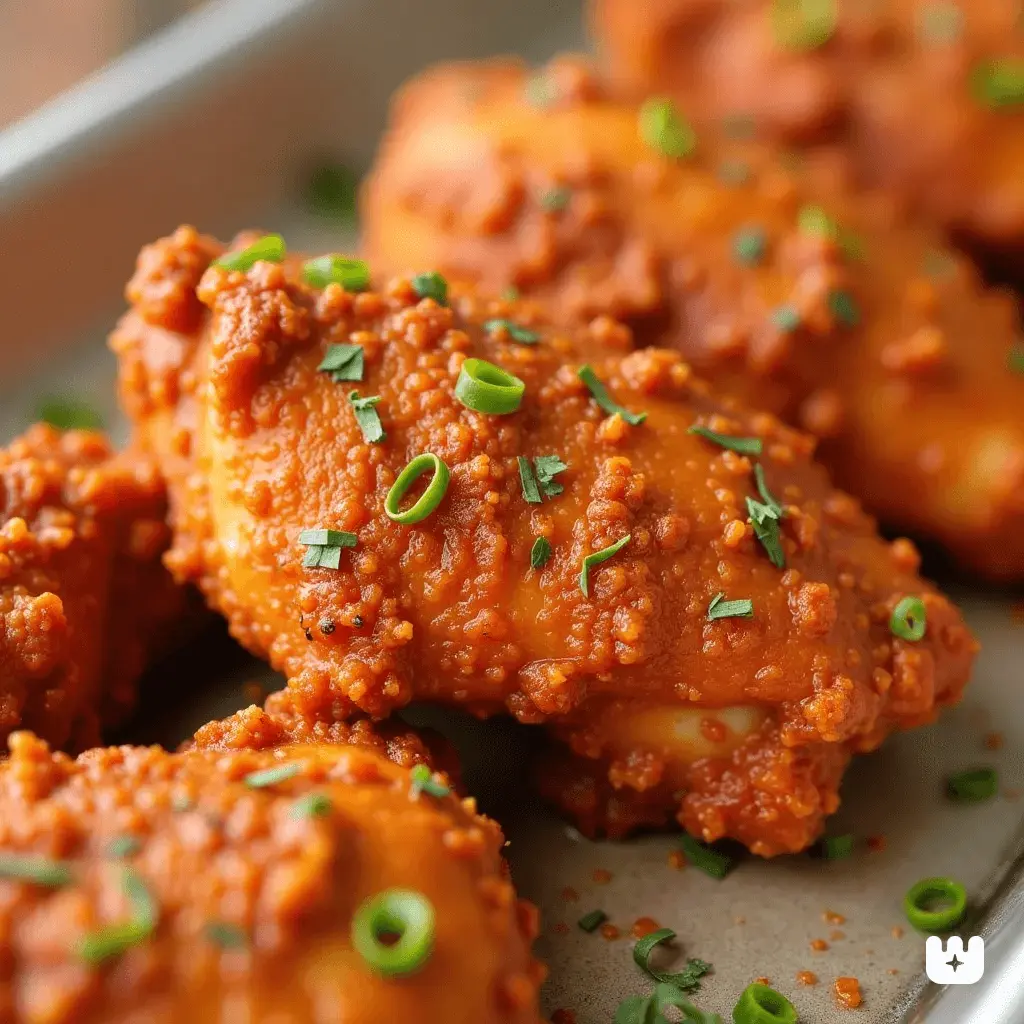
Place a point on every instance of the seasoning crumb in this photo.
(837, 935)
(848, 993)
(570, 895)
(610, 932)
(677, 860)
(831, 917)
(602, 876)
(739, 920)
(876, 843)
(806, 978)
(993, 740)
(644, 926)
(561, 928)
(762, 981)
(819, 945)
(897, 931)
(892, 970)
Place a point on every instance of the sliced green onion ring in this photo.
(428, 500)
(909, 619)
(403, 915)
(935, 904)
(592, 921)
(706, 858)
(974, 785)
(760, 1004)
(487, 388)
(269, 249)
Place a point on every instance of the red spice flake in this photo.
(1012, 795)
(993, 740)
(848, 993)
(739, 920)
(570, 895)
(831, 917)
(677, 860)
(892, 970)
(819, 945)
(561, 928)
(762, 981)
(837, 935)
(713, 730)
(563, 1017)
(806, 978)
(897, 931)
(610, 932)
(644, 926)
(602, 876)
(876, 843)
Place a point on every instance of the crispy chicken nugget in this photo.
(308, 883)
(660, 597)
(84, 599)
(837, 313)
(926, 99)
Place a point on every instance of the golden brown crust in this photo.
(884, 346)
(84, 599)
(258, 446)
(894, 85)
(210, 849)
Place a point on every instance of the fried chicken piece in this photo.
(626, 662)
(226, 886)
(926, 99)
(84, 600)
(839, 315)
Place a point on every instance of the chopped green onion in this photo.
(272, 776)
(68, 414)
(804, 24)
(765, 520)
(324, 547)
(769, 499)
(123, 846)
(343, 362)
(597, 558)
(941, 22)
(909, 619)
(1015, 360)
(709, 860)
(973, 786)
(531, 492)
(662, 128)
(786, 319)
(268, 249)
(844, 307)
(836, 847)
(555, 200)
(592, 921)
(540, 553)
(547, 468)
(999, 83)
(331, 192)
(749, 245)
(422, 781)
(225, 935)
(813, 220)
(687, 980)
(428, 500)
(394, 931)
(52, 874)
(365, 412)
(541, 91)
(935, 904)
(312, 805)
(97, 947)
(487, 388)
(431, 286)
(521, 334)
(352, 275)
(600, 395)
(743, 445)
(760, 1004)
(721, 609)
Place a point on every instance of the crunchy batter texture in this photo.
(84, 599)
(909, 89)
(253, 892)
(826, 306)
(259, 445)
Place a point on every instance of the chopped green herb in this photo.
(541, 91)
(521, 334)
(743, 445)
(431, 286)
(555, 200)
(225, 935)
(324, 547)
(604, 400)
(510, 294)
(721, 609)
(592, 921)
(765, 520)
(786, 319)
(51, 874)
(662, 128)
(268, 249)
(331, 192)
(272, 776)
(813, 220)
(597, 558)
(123, 846)
(67, 413)
(734, 172)
(999, 83)
(366, 416)
(1015, 360)
(343, 362)
(352, 275)
(687, 980)
(739, 126)
(312, 805)
(973, 786)
(749, 245)
(836, 847)
(540, 553)
(844, 308)
(422, 781)
(652, 1009)
(709, 860)
(531, 492)
(769, 499)
(909, 619)
(941, 22)
(804, 24)
(97, 947)
(547, 468)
